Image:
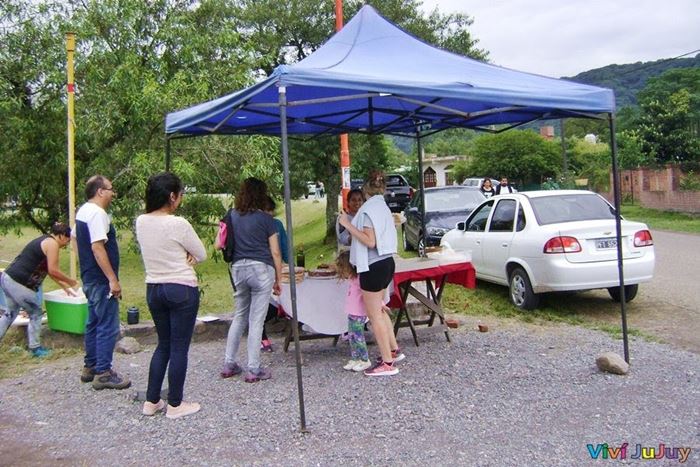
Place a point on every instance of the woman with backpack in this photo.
(256, 270)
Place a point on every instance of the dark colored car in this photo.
(444, 207)
(398, 192)
(356, 183)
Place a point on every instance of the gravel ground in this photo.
(517, 395)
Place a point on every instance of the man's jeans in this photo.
(18, 296)
(253, 281)
(102, 327)
(174, 311)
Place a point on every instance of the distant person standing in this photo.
(317, 195)
(487, 188)
(354, 202)
(273, 307)
(99, 269)
(504, 187)
(22, 279)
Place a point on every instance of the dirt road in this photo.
(667, 307)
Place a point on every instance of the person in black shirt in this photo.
(487, 189)
(21, 280)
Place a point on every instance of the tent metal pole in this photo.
(282, 91)
(167, 153)
(421, 184)
(565, 160)
(618, 226)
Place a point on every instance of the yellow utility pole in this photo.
(70, 50)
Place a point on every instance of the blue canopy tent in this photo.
(374, 78)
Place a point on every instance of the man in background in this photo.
(504, 187)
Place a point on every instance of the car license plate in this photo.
(393, 205)
(606, 243)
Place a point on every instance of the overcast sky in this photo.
(565, 37)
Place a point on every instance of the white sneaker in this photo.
(362, 365)
(182, 410)
(151, 409)
(351, 364)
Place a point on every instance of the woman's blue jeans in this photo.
(174, 311)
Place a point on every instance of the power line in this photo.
(657, 62)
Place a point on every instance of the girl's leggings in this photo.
(356, 334)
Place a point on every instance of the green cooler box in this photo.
(66, 313)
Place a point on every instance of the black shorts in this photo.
(379, 275)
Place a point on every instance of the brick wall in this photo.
(657, 189)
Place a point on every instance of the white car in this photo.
(551, 241)
(310, 189)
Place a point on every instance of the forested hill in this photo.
(627, 80)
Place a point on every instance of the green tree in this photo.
(664, 129)
(667, 126)
(135, 61)
(580, 127)
(451, 142)
(591, 161)
(522, 156)
(629, 151)
(663, 87)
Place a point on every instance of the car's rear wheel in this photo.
(630, 292)
(521, 293)
(421, 246)
(406, 245)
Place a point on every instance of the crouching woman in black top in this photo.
(21, 280)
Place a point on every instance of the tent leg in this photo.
(618, 226)
(290, 250)
(167, 154)
(421, 185)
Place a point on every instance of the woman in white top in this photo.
(371, 252)
(170, 248)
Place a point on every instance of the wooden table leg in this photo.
(432, 306)
(290, 335)
(404, 287)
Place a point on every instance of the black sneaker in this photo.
(110, 379)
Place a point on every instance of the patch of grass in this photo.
(616, 332)
(16, 360)
(591, 312)
(662, 220)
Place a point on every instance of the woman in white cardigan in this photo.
(371, 252)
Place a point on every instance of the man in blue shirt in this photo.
(99, 268)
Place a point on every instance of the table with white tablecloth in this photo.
(320, 306)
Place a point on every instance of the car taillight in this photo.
(562, 245)
(410, 193)
(643, 238)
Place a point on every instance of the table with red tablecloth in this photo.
(435, 274)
